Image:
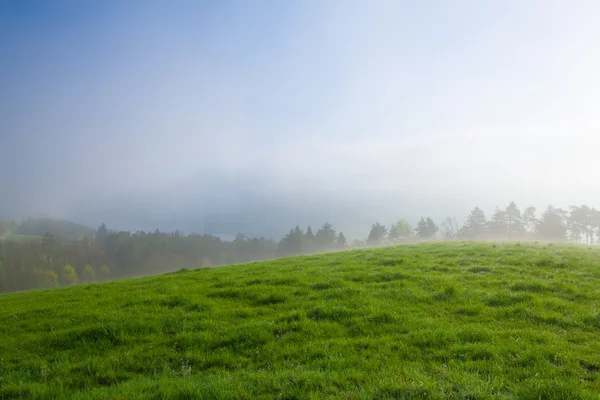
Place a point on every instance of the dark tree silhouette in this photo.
(377, 234)
(552, 225)
(101, 234)
(341, 241)
(476, 225)
(426, 228)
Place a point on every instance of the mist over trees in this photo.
(401, 231)
(426, 228)
(377, 234)
(44, 253)
(53, 260)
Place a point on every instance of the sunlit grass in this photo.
(449, 320)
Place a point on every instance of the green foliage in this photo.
(498, 224)
(325, 237)
(514, 220)
(291, 244)
(69, 275)
(448, 320)
(476, 225)
(552, 225)
(308, 242)
(341, 241)
(141, 253)
(101, 234)
(377, 234)
(88, 274)
(104, 272)
(426, 228)
(401, 231)
(298, 242)
(506, 224)
(583, 221)
(46, 278)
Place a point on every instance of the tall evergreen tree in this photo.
(432, 228)
(476, 225)
(341, 241)
(514, 221)
(529, 220)
(377, 234)
(101, 234)
(325, 237)
(308, 242)
(426, 228)
(309, 233)
(421, 229)
(498, 224)
(551, 225)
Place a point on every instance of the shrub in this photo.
(46, 278)
(88, 274)
(69, 275)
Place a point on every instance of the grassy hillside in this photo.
(17, 237)
(451, 320)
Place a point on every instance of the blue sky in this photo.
(352, 111)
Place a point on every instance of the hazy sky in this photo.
(142, 112)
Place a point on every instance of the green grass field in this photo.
(429, 321)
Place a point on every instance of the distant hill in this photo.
(65, 230)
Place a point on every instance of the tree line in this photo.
(58, 259)
(53, 260)
(578, 224)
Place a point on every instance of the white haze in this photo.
(373, 110)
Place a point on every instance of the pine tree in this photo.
(551, 225)
(426, 228)
(341, 241)
(421, 229)
(325, 237)
(101, 234)
(498, 224)
(476, 225)
(516, 229)
(377, 234)
(309, 233)
(308, 241)
(432, 228)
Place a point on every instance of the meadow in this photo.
(455, 320)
